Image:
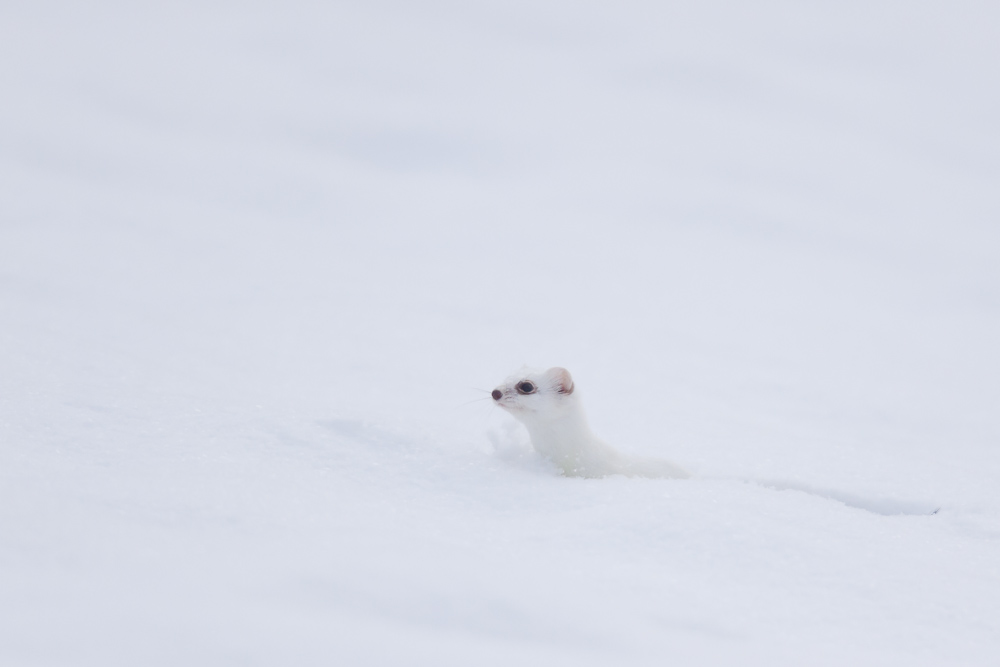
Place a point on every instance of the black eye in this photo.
(525, 388)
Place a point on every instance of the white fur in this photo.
(559, 430)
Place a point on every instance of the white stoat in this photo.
(545, 402)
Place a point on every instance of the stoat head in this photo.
(531, 395)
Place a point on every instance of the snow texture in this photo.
(260, 264)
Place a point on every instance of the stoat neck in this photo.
(568, 431)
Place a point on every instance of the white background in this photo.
(257, 259)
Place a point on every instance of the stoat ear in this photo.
(561, 380)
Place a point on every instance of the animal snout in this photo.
(497, 394)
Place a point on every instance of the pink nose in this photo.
(497, 394)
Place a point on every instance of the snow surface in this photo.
(259, 261)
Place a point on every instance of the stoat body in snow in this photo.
(546, 403)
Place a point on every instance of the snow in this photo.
(260, 264)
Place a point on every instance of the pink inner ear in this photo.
(561, 379)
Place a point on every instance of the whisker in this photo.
(489, 414)
(475, 400)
